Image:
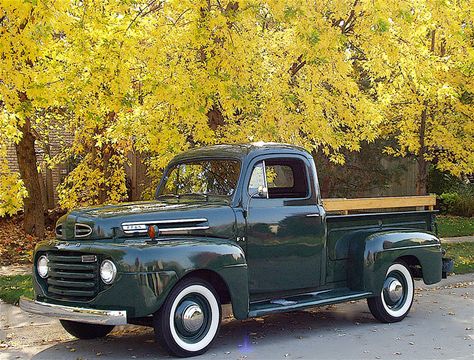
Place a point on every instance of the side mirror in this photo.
(261, 192)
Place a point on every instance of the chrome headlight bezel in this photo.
(42, 267)
(108, 272)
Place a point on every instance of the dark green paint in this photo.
(285, 253)
(136, 289)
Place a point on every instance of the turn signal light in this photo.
(153, 231)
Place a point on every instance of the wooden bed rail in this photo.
(345, 205)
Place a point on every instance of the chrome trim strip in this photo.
(313, 215)
(91, 316)
(265, 181)
(171, 221)
(412, 247)
(168, 230)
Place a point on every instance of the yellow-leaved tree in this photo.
(421, 62)
(158, 77)
(31, 37)
(103, 74)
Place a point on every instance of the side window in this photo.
(280, 178)
(286, 178)
(257, 179)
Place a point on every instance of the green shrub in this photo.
(459, 202)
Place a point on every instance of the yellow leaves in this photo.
(12, 192)
(12, 189)
(146, 77)
(9, 128)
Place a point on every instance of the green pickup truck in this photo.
(231, 224)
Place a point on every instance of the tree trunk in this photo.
(422, 174)
(33, 222)
(49, 185)
(422, 177)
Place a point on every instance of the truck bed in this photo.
(341, 229)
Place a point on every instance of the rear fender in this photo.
(370, 257)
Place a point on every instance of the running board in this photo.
(303, 301)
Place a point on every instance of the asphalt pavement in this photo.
(439, 326)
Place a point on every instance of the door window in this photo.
(283, 177)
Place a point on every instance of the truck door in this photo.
(285, 226)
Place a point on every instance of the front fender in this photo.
(148, 271)
(181, 257)
(371, 257)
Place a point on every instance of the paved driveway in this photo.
(440, 326)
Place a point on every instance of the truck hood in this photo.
(127, 220)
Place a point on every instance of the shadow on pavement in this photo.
(236, 339)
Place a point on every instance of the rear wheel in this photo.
(86, 331)
(189, 320)
(395, 300)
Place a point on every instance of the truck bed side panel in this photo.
(344, 230)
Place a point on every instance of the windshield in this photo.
(202, 177)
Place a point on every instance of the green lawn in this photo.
(463, 256)
(12, 287)
(451, 226)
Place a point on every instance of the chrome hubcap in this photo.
(393, 288)
(192, 317)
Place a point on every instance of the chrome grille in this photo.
(70, 278)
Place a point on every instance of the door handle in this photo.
(313, 215)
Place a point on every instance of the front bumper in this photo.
(84, 315)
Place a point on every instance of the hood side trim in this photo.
(141, 226)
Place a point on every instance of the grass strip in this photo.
(12, 287)
(452, 226)
(463, 256)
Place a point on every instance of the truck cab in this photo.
(243, 225)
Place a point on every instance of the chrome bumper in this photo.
(84, 315)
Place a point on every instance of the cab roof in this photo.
(239, 151)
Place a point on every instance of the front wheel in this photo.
(188, 321)
(395, 300)
(86, 331)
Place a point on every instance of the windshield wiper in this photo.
(175, 196)
(205, 196)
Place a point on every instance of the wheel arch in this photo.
(228, 290)
(413, 264)
(214, 279)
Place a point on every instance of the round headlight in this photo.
(108, 271)
(42, 266)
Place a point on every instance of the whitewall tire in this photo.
(189, 320)
(396, 298)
